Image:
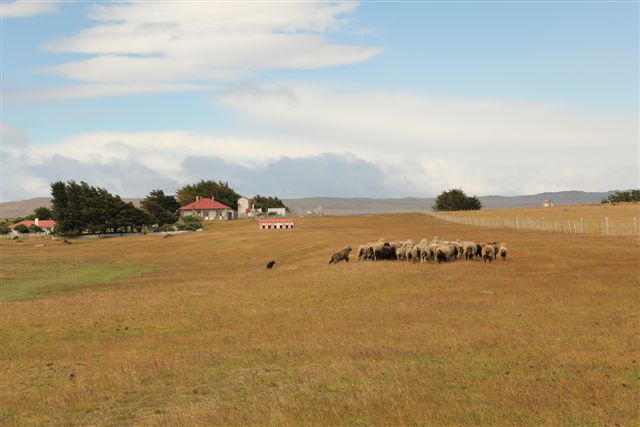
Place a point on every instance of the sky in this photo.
(302, 99)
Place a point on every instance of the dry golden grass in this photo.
(207, 336)
(620, 217)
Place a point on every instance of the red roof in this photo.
(270, 220)
(204, 204)
(43, 223)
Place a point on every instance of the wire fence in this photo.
(580, 226)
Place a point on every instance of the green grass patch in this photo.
(44, 278)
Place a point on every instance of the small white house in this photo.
(548, 203)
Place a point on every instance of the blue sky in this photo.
(379, 99)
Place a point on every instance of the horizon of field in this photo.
(202, 333)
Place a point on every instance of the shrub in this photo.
(21, 228)
(456, 200)
(35, 229)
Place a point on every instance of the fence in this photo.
(580, 226)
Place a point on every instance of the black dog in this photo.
(270, 264)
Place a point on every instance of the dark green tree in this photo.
(21, 228)
(220, 191)
(265, 202)
(623, 196)
(162, 208)
(42, 213)
(456, 200)
(4, 229)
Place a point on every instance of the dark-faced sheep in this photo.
(343, 255)
(488, 253)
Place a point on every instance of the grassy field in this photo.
(192, 329)
(620, 218)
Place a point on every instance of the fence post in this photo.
(606, 225)
(635, 226)
(581, 225)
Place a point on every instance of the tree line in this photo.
(82, 208)
(623, 196)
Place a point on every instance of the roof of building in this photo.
(43, 223)
(204, 204)
(272, 220)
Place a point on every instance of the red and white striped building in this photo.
(276, 223)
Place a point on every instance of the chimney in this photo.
(37, 221)
(197, 198)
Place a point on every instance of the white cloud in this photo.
(143, 42)
(26, 8)
(404, 144)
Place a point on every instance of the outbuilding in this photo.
(276, 223)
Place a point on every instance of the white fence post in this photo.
(606, 225)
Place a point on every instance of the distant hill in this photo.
(26, 207)
(351, 206)
(361, 205)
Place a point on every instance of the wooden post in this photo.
(606, 225)
(581, 225)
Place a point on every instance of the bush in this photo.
(4, 229)
(167, 227)
(456, 200)
(623, 196)
(21, 228)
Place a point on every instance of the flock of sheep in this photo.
(435, 250)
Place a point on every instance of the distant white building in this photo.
(245, 209)
(548, 203)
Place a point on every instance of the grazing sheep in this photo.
(469, 250)
(270, 265)
(413, 254)
(445, 252)
(388, 252)
(503, 251)
(426, 254)
(488, 253)
(495, 250)
(362, 252)
(401, 253)
(66, 241)
(342, 255)
(479, 247)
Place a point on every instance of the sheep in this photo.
(469, 250)
(413, 254)
(362, 252)
(387, 252)
(401, 253)
(488, 253)
(479, 247)
(426, 254)
(495, 250)
(342, 255)
(423, 252)
(270, 265)
(503, 251)
(444, 252)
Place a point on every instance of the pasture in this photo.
(193, 329)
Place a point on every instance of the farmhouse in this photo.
(47, 225)
(207, 209)
(548, 203)
(276, 223)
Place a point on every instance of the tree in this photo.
(4, 228)
(265, 202)
(456, 200)
(162, 208)
(21, 228)
(623, 196)
(42, 213)
(220, 191)
(81, 208)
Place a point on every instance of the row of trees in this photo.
(623, 196)
(82, 207)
